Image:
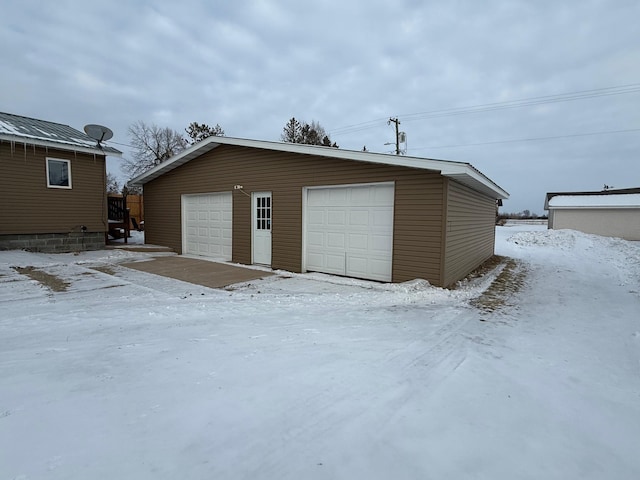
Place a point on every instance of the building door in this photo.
(349, 230)
(206, 225)
(261, 237)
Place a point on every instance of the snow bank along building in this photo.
(307, 208)
(611, 213)
(52, 186)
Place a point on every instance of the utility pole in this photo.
(397, 122)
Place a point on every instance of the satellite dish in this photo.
(98, 132)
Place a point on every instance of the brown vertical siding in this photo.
(29, 207)
(418, 203)
(469, 232)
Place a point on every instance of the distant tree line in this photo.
(306, 133)
(524, 215)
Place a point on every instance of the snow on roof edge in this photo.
(622, 200)
(61, 144)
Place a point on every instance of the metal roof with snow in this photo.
(32, 131)
(462, 172)
(630, 200)
(583, 197)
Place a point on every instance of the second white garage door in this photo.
(349, 231)
(207, 221)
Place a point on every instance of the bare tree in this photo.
(112, 184)
(152, 145)
(198, 132)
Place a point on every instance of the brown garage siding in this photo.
(30, 207)
(418, 203)
(470, 231)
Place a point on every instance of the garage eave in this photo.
(462, 172)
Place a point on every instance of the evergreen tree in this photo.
(292, 131)
(198, 132)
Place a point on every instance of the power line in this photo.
(121, 144)
(530, 139)
(487, 107)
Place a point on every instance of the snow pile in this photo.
(558, 239)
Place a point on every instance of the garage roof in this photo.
(596, 201)
(462, 172)
(548, 201)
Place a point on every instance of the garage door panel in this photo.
(380, 269)
(335, 263)
(336, 217)
(335, 240)
(360, 197)
(358, 241)
(208, 225)
(316, 239)
(357, 266)
(315, 261)
(359, 217)
(349, 231)
(383, 196)
(335, 197)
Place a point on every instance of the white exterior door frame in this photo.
(261, 211)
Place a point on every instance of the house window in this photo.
(58, 173)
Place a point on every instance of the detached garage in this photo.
(610, 213)
(307, 208)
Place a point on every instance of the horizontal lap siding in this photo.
(469, 233)
(418, 203)
(418, 228)
(610, 222)
(29, 206)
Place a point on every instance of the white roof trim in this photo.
(561, 202)
(459, 171)
(59, 144)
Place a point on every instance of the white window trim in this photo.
(68, 162)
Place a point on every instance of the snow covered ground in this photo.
(123, 374)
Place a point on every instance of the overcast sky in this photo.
(251, 65)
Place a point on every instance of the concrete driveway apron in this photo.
(201, 272)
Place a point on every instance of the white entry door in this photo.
(349, 230)
(261, 228)
(206, 224)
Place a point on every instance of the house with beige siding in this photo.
(305, 208)
(52, 186)
(610, 213)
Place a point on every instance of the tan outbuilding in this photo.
(610, 213)
(309, 208)
(52, 186)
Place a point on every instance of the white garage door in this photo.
(349, 231)
(207, 225)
